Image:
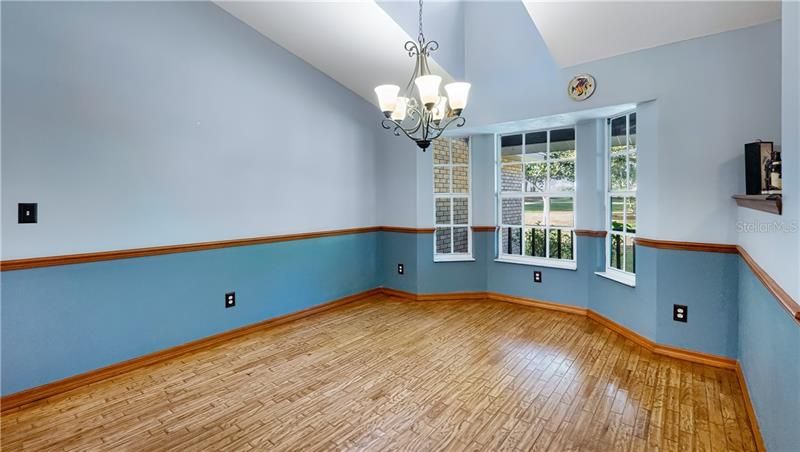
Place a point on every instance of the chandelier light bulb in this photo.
(400, 109)
(458, 93)
(428, 87)
(387, 97)
(440, 109)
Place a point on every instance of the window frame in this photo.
(452, 256)
(611, 272)
(545, 196)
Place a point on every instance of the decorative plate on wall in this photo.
(581, 87)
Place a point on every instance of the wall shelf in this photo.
(765, 203)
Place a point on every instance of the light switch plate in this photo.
(27, 212)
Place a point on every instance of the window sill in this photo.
(456, 258)
(627, 280)
(551, 263)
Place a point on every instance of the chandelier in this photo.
(423, 118)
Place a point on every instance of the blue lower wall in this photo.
(65, 320)
(769, 353)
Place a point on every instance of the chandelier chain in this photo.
(421, 36)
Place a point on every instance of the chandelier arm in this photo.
(415, 114)
(389, 123)
(428, 47)
(417, 71)
(412, 48)
(448, 124)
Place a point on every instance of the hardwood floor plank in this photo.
(383, 374)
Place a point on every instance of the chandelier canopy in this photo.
(425, 117)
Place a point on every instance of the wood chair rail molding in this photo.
(786, 301)
(590, 233)
(687, 246)
(80, 258)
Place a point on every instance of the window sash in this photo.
(627, 193)
(452, 196)
(545, 195)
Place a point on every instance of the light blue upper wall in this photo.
(710, 102)
(151, 123)
(776, 249)
(443, 22)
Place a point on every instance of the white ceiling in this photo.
(581, 31)
(355, 42)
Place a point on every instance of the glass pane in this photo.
(617, 213)
(562, 212)
(536, 147)
(460, 211)
(442, 210)
(630, 255)
(569, 245)
(511, 242)
(619, 139)
(460, 149)
(562, 143)
(562, 175)
(630, 215)
(460, 179)
(632, 172)
(460, 240)
(441, 179)
(511, 148)
(617, 168)
(443, 236)
(536, 177)
(511, 177)
(441, 151)
(534, 242)
(534, 211)
(615, 251)
(512, 211)
(632, 130)
(560, 243)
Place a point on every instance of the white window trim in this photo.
(539, 261)
(613, 273)
(454, 257)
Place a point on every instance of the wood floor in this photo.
(385, 374)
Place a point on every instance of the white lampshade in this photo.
(458, 93)
(387, 97)
(400, 108)
(440, 109)
(428, 86)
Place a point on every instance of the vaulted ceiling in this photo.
(360, 43)
(579, 32)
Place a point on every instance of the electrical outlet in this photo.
(537, 276)
(401, 269)
(680, 313)
(27, 212)
(230, 300)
